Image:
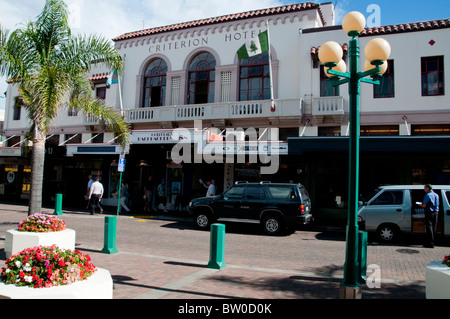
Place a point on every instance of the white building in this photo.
(178, 74)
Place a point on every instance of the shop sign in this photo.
(161, 136)
(10, 151)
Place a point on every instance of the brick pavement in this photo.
(166, 258)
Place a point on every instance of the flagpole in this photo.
(120, 94)
(273, 108)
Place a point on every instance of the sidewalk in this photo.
(156, 260)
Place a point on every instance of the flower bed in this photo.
(438, 279)
(42, 223)
(39, 230)
(53, 273)
(41, 267)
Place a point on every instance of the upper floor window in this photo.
(255, 78)
(326, 85)
(17, 108)
(202, 77)
(433, 76)
(386, 87)
(155, 79)
(100, 93)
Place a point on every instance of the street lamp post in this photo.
(377, 52)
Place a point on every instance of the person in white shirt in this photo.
(95, 195)
(211, 186)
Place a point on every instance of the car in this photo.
(275, 206)
(394, 210)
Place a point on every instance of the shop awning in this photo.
(402, 144)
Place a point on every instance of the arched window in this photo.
(255, 78)
(155, 83)
(202, 76)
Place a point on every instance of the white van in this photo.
(394, 209)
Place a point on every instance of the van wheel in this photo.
(388, 232)
(202, 220)
(272, 224)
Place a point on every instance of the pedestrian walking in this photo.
(148, 194)
(88, 190)
(95, 196)
(161, 198)
(431, 205)
(124, 196)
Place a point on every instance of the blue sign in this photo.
(121, 167)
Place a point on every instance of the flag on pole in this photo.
(112, 78)
(254, 47)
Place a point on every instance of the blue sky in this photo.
(112, 18)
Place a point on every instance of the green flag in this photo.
(254, 47)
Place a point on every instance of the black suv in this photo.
(274, 206)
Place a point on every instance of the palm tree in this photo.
(50, 67)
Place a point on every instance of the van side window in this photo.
(447, 193)
(389, 198)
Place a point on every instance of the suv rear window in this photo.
(282, 192)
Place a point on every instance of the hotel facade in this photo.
(237, 117)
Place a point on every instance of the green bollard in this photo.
(217, 249)
(362, 256)
(58, 205)
(110, 235)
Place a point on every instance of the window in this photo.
(100, 93)
(255, 192)
(202, 77)
(17, 108)
(97, 138)
(433, 76)
(155, 84)
(255, 78)
(282, 192)
(236, 192)
(379, 130)
(386, 87)
(389, 198)
(326, 85)
(438, 129)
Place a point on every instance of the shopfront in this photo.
(389, 160)
(16, 174)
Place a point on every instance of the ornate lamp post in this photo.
(377, 52)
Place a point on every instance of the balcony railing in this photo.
(332, 106)
(291, 108)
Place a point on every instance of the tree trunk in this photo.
(37, 173)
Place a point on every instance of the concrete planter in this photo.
(437, 281)
(98, 286)
(16, 241)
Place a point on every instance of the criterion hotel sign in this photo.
(203, 41)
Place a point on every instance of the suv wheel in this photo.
(202, 220)
(272, 224)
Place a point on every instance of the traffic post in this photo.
(58, 205)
